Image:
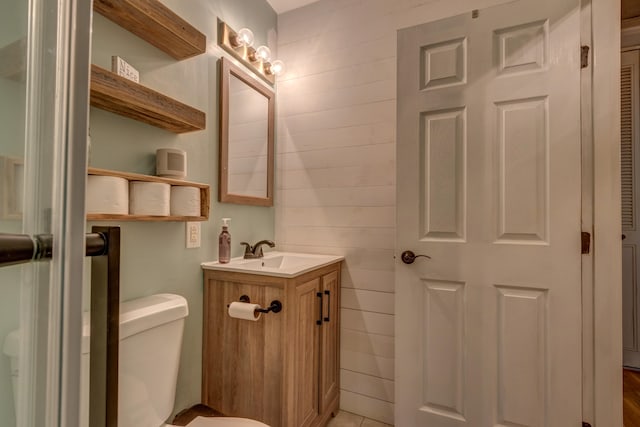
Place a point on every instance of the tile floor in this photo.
(347, 419)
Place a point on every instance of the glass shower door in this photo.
(44, 50)
(13, 30)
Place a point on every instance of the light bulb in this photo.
(263, 53)
(245, 37)
(276, 68)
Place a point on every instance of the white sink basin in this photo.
(279, 264)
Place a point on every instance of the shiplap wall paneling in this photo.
(335, 182)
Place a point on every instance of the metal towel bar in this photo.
(21, 248)
(103, 245)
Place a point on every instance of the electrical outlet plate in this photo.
(193, 234)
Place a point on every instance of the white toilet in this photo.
(150, 343)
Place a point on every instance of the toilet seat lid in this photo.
(224, 422)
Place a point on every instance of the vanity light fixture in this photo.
(244, 37)
(239, 45)
(263, 53)
(276, 68)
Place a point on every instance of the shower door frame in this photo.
(69, 88)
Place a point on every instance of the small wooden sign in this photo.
(124, 69)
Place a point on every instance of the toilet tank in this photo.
(150, 343)
(11, 348)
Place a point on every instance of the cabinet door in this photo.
(307, 333)
(330, 351)
(243, 360)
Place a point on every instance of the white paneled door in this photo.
(488, 331)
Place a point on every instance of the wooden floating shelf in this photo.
(204, 198)
(148, 218)
(12, 60)
(119, 95)
(155, 23)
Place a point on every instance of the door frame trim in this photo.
(586, 119)
(605, 187)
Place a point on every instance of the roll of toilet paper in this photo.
(107, 195)
(244, 310)
(185, 201)
(149, 198)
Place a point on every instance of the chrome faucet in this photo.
(255, 251)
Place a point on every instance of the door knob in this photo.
(408, 257)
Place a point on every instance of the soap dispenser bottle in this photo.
(224, 242)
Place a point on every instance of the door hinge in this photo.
(585, 424)
(586, 243)
(584, 56)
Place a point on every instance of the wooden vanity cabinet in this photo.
(284, 368)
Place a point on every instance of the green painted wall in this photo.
(154, 258)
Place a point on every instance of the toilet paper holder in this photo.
(275, 307)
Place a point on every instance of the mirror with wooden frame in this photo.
(246, 138)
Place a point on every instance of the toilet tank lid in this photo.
(148, 312)
(135, 316)
(12, 344)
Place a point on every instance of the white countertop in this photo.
(278, 264)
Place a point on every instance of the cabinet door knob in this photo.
(408, 257)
